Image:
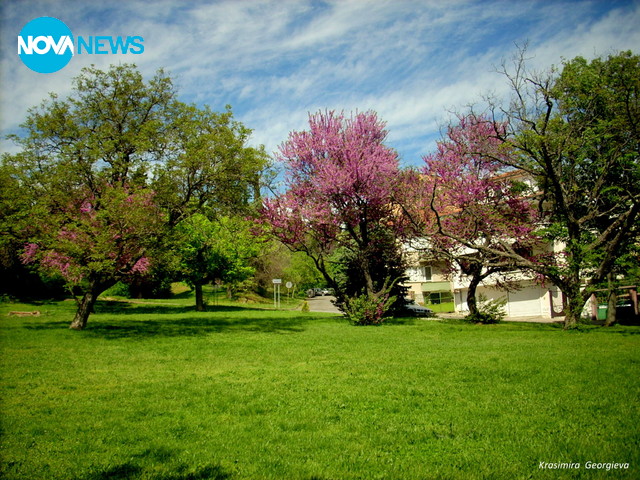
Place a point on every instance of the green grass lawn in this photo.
(158, 391)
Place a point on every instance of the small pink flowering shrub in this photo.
(367, 309)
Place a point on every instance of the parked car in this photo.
(412, 308)
(321, 292)
(317, 292)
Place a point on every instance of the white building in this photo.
(430, 284)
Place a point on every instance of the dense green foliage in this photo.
(219, 250)
(110, 170)
(367, 310)
(388, 265)
(250, 393)
(577, 133)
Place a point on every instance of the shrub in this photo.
(120, 289)
(367, 309)
(489, 311)
(305, 306)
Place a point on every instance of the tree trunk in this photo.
(612, 302)
(573, 309)
(570, 286)
(472, 303)
(86, 304)
(199, 298)
(368, 279)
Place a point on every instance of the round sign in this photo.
(45, 45)
(289, 285)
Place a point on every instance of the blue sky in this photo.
(274, 61)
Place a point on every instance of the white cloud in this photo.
(275, 61)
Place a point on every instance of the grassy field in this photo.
(157, 391)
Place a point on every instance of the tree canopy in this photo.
(118, 142)
(120, 172)
(339, 202)
(220, 249)
(576, 134)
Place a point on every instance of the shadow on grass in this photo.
(401, 321)
(195, 326)
(179, 326)
(131, 471)
(142, 308)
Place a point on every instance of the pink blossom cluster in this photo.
(108, 235)
(141, 266)
(58, 261)
(471, 194)
(339, 175)
(29, 253)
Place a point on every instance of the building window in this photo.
(436, 298)
(419, 274)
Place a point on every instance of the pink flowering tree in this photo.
(88, 163)
(339, 207)
(92, 243)
(476, 215)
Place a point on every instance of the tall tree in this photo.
(470, 211)
(206, 165)
(341, 186)
(577, 133)
(92, 242)
(116, 134)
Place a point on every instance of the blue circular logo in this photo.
(45, 45)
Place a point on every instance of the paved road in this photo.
(322, 304)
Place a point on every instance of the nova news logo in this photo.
(46, 45)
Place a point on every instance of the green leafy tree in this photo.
(300, 271)
(276, 260)
(119, 135)
(207, 166)
(578, 134)
(216, 250)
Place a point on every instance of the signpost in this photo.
(289, 285)
(276, 292)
